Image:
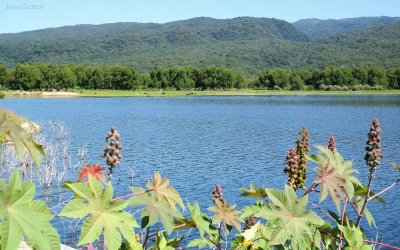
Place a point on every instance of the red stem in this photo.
(381, 244)
(322, 210)
(342, 221)
(130, 195)
(384, 190)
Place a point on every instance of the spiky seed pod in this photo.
(250, 221)
(296, 161)
(292, 167)
(112, 152)
(374, 154)
(331, 144)
(217, 194)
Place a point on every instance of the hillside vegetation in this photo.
(317, 28)
(246, 44)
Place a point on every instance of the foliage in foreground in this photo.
(279, 219)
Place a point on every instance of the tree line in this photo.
(34, 76)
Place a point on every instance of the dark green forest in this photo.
(246, 44)
(35, 76)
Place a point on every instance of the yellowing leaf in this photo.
(23, 216)
(20, 138)
(226, 213)
(104, 216)
(251, 232)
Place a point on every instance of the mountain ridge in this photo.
(246, 43)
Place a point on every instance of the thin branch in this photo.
(366, 241)
(322, 210)
(310, 189)
(341, 222)
(384, 190)
(131, 195)
(371, 175)
(351, 203)
(381, 244)
(146, 238)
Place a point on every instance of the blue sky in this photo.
(22, 15)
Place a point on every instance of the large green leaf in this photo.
(201, 221)
(164, 191)
(289, 220)
(155, 209)
(23, 216)
(21, 139)
(354, 237)
(103, 216)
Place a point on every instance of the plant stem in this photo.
(366, 241)
(341, 223)
(381, 244)
(146, 238)
(219, 236)
(366, 198)
(131, 195)
(310, 189)
(322, 210)
(384, 190)
(110, 174)
(351, 203)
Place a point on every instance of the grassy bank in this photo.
(174, 93)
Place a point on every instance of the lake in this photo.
(198, 142)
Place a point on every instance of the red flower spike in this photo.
(94, 170)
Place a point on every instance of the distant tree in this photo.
(3, 75)
(66, 77)
(377, 77)
(49, 76)
(27, 77)
(393, 76)
(296, 82)
(272, 78)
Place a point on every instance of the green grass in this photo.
(174, 93)
(182, 93)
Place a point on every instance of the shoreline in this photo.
(186, 93)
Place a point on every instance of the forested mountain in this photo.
(245, 43)
(317, 28)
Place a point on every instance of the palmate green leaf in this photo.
(226, 213)
(103, 216)
(354, 237)
(155, 209)
(164, 191)
(289, 220)
(23, 216)
(201, 220)
(252, 210)
(254, 192)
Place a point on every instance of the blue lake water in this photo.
(200, 141)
